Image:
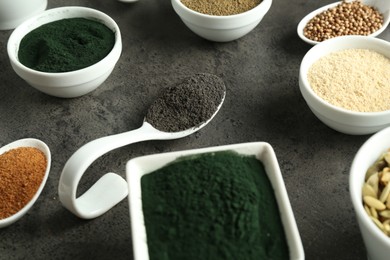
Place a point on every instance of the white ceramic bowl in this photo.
(376, 242)
(340, 119)
(27, 142)
(66, 84)
(381, 5)
(138, 167)
(14, 12)
(221, 28)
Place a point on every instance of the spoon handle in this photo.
(111, 188)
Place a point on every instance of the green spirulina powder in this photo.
(66, 45)
(212, 206)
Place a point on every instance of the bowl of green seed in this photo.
(65, 52)
(225, 202)
(369, 189)
(221, 21)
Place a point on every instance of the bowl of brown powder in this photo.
(346, 83)
(24, 168)
(221, 21)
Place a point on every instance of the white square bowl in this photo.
(140, 166)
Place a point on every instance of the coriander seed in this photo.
(347, 18)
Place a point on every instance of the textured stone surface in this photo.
(263, 103)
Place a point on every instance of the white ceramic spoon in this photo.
(383, 6)
(111, 188)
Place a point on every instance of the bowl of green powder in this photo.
(221, 21)
(65, 52)
(225, 202)
(345, 82)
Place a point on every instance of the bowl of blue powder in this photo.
(225, 202)
(65, 52)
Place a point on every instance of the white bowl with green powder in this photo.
(225, 202)
(221, 21)
(67, 51)
(345, 81)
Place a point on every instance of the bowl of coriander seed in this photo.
(366, 18)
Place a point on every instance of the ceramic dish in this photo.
(376, 242)
(28, 142)
(14, 12)
(66, 84)
(221, 28)
(381, 5)
(138, 167)
(340, 119)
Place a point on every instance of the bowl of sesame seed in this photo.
(366, 18)
(220, 20)
(345, 82)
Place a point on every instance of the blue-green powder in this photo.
(212, 206)
(66, 45)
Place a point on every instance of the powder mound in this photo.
(218, 206)
(354, 79)
(21, 173)
(66, 45)
(187, 104)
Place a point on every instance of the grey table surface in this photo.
(263, 103)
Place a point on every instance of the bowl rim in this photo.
(317, 49)
(137, 167)
(63, 12)
(27, 142)
(356, 182)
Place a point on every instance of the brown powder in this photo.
(21, 173)
(221, 7)
(354, 79)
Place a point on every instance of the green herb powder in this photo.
(212, 206)
(66, 45)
